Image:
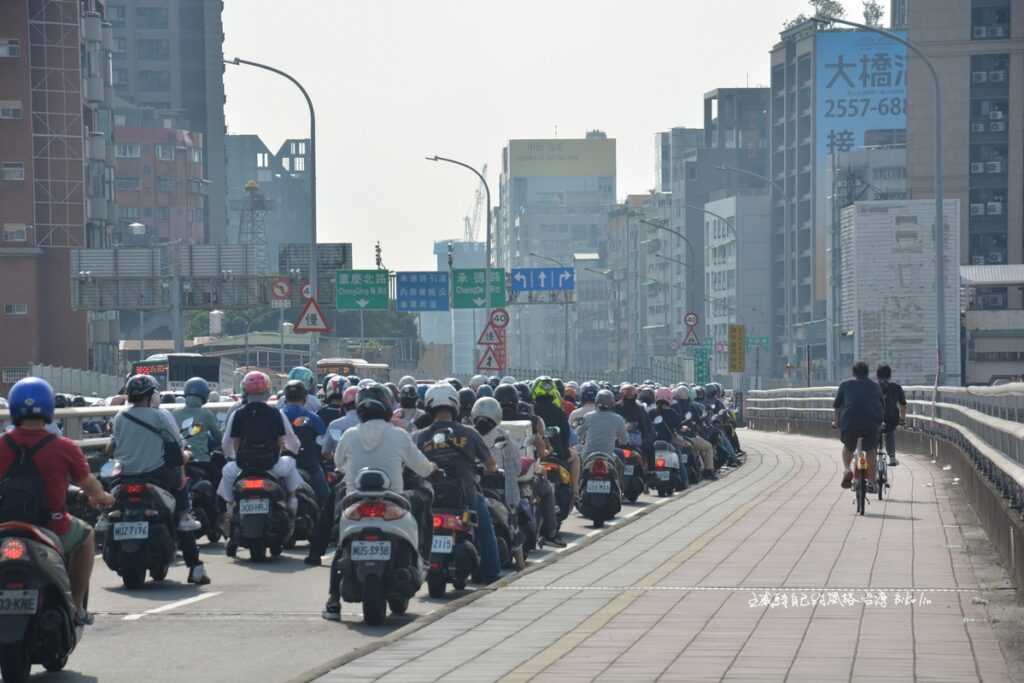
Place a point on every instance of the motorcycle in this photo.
(559, 477)
(203, 478)
(261, 518)
(378, 549)
(601, 494)
(528, 515)
(306, 512)
(141, 532)
(37, 615)
(509, 544)
(667, 477)
(632, 473)
(454, 557)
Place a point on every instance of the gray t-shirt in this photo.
(601, 431)
(859, 402)
(140, 450)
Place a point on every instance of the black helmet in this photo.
(374, 403)
(604, 400)
(141, 387)
(78, 402)
(60, 401)
(393, 388)
(524, 392)
(485, 391)
(408, 397)
(494, 381)
(507, 396)
(646, 395)
(353, 380)
(295, 390)
(467, 397)
(588, 392)
(455, 383)
(560, 385)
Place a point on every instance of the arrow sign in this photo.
(563, 277)
(480, 302)
(312, 319)
(543, 279)
(520, 279)
(362, 302)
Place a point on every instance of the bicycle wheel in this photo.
(882, 477)
(862, 492)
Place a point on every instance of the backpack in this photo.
(258, 449)
(21, 489)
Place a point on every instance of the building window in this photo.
(165, 184)
(116, 15)
(12, 170)
(163, 213)
(120, 46)
(127, 183)
(10, 47)
(165, 152)
(151, 17)
(197, 156)
(153, 48)
(128, 213)
(13, 375)
(15, 309)
(262, 160)
(990, 22)
(129, 151)
(120, 78)
(15, 232)
(154, 80)
(300, 164)
(10, 109)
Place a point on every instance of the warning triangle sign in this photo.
(691, 338)
(491, 336)
(489, 361)
(312, 318)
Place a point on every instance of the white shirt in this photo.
(380, 445)
(291, 442)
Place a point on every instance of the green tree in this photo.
(873, 13)
(822, 8)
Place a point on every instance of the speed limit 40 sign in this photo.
(500, 317)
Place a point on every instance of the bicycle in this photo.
(860, 485)
(882, 477)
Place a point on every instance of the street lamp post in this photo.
(565, 308)
(610, 276)
(940, 236)
(313, 260)
(690, 251)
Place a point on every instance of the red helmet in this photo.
(627, 391)
(663, 394)
(255, 383)
(349, 397)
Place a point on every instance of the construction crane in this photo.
(473, 222)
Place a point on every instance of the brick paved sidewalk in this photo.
(767, 575)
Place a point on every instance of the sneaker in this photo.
(555, 541)
(83, 617)
(231, 549)
(198, 575)
(332, 610)
(189, 523)
(313, 560)
(893, 461)
(710, 475)
(847, 480)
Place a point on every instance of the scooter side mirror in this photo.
(689, 415)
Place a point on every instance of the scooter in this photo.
(141, 533)
(37, 615)
(528, 514)
(601, 495)
(204, 500)
(454, 557)
(503, 518)
(559, 476)
(632, 473)
(667, 476)
(379, 548)
(261, 518)
(306, 512)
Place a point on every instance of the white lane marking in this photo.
(171, 605)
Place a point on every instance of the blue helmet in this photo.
(421, 391)
(32, 397)
(304, 375)
(588, 392)
(198, 387)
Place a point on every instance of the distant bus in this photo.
(346, 367)
(172, 370)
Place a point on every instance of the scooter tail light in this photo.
(600, 468)
(438, 521)
(660, 463)
(255, 484)
(372, 509)
(13, 549)
(134, 489)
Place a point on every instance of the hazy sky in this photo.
(396, 80)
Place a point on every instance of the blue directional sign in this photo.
(543, 279)
(418, 292)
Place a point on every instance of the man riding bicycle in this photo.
(895, 412)
(858, 413)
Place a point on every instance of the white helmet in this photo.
(407, 379)
(442, 395)
(476, 381)
(487, 407)
(366, 382)
(508, 379)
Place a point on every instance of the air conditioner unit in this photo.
(977, 127)
(993, 166)
(997, 77)
(996, 115)
(978, 209)
(980, 32)
(977, 167)
(998, 31)
(995, 257)
(994, 208)
(979, 77)
(997, 126)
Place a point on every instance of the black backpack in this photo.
(258, 449)
(21, 488)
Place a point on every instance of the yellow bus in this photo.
(346, 367)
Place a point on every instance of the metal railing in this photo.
(987, 423)
(661, 372)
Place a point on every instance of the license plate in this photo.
(254, 506)
(599, 487)
(664, 475)
(131, 531)
(371, 550)
(441, 545)
(19, 602)
(628, 470)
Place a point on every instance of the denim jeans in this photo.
(486, 541)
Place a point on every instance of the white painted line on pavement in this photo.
(171, 605)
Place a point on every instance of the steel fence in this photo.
(660, 372)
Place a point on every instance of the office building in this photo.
(898, 15)
(993, 341)
(888, 286)
(56, 178)
(277, 210)
(592, 319)
(977, 48)
(554, 201)
(831, 92)
(168, 57)
(738, 281)
(670, 147)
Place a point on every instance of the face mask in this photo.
(483, 426)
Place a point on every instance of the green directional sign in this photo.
(701, 371)
(361, 290)
(468, 286)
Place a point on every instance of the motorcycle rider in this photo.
(633, 411)
(140, 441)
(334, 392)
(250, 429)
(712, 392)
(376, 443)
(461, 446)
(308, 427)
(306, 376)
(205, 430)
(57, 462)
(686, 402)
(668, 423)
(587, 396)
(407, 413)
(547, 404)
(467, 397)
(338, 427)
(604, 429)
(487, 417)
